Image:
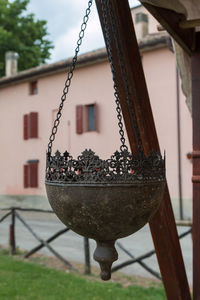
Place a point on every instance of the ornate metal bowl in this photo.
(105, 200)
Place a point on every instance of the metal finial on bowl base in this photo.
(105, 254)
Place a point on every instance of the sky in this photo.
(64, 18)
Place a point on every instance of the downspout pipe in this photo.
(181, 214)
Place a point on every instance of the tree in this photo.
(23, 34)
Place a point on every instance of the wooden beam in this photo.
(162, 226)
(189, 23)
(196, 169)
(171, 21)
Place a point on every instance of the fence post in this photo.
(12, 244)
(87, 256)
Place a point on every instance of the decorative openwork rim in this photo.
(88, 168)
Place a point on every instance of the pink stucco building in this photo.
(29, 101)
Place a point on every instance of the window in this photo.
(33, 87)
(31, 174)
(90, 117)
(86, 118)
(141, 17)
(30, 124)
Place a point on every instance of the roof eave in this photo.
(89, 58)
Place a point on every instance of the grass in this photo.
(21, 280)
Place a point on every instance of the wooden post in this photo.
(87, 256)
(12, 244)
(196, 168)
(163, 227)
(172, 22)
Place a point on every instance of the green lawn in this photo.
(28, 281)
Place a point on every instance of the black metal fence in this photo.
(14, 213)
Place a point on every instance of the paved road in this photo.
(70, 245)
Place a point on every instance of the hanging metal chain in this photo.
(110, 58)
(124, 77)
(69, 76)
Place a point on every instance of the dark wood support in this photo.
(140, 262)
(172, 21)
(45, 243)
(162, 226)
(12, 243)
(196, 169)
(49, 240)
(87, 256)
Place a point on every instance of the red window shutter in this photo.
(26, 167)
(33, 174)
(33, 125)
(79, 119)
(25, 127)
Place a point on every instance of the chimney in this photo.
(11, 58)
(141, 25)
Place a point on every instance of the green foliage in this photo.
(22, 281)
(22, 33)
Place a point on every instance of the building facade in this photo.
(29, 102)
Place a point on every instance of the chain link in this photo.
(69, 76)
(124, 76)
(110, 58)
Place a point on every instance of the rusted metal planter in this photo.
(105, 212)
